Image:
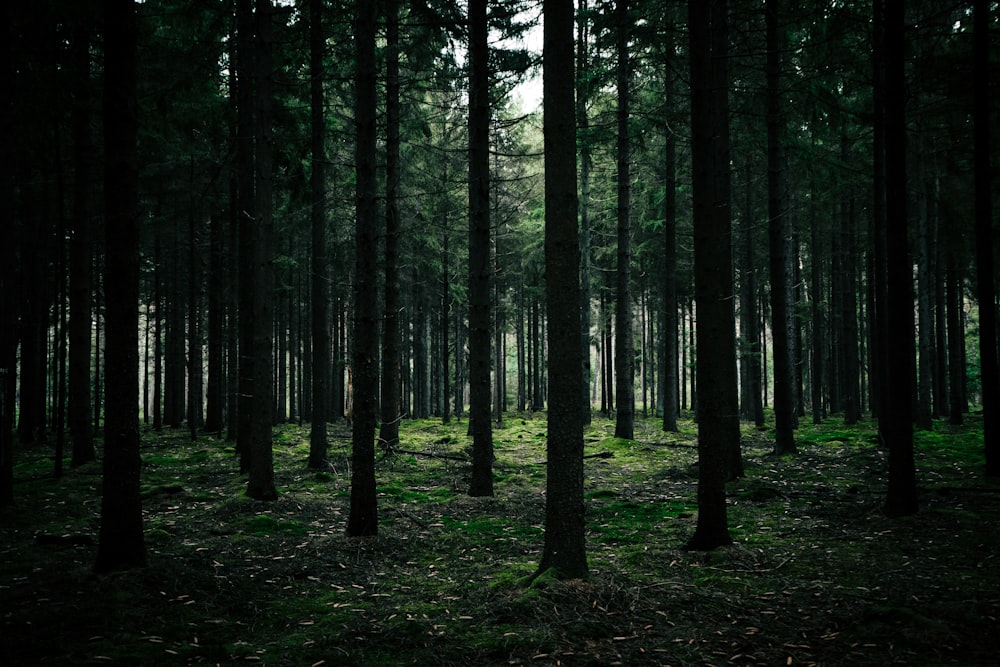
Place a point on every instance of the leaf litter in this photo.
(816, 574)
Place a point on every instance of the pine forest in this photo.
(521, 332)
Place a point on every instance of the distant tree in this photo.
(896, 422)
(480, 268)
(718, 416)
(565, 538)
(120, 542)
(985, 276)
(363, 518)
(624, 336)
(318, 443)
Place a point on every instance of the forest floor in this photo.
(816, 575)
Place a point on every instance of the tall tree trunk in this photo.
(925, 334)
(880, 336)
(985, 288)
(896, 423)
(391, 371)
(261, 472)
(363, 519)
(818, 322)
(247, 220)
(216, 287)
(752, 405)
(565, 534)
(956, 337)
(583, 89)
(718, 410)
(624, 340)
(195, 407)
(120, 542)
(779, 241)
(319, 303)
(81, 256)
(8, 279)
(670, 370)
(479, 252)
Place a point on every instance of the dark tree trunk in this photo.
(261, 485)
(565, 534)
(583, 88)
(363, 519)
(779, 242)
(247, 222)
(318, 442)
(479, 253)
(216, 287)
(624, 341)
(880, 335)
(956, 338)
(668, 394)
(120, 543)
(818, 322)
(391, 370)
(8, 280)
(896, 423)
(718, 410)
(985, 287)
(81, 256)
(752, 404)
(195, 359)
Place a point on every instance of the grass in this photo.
(816, 574)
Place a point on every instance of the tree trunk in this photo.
(318, 443)
(246, 211)
(479, 253)
(120, 542)
(670, 370)
(985, 288)
(363, 519)
(391, 371)
(718, 411)
(565, 534)
(583, 89)
(779, 240)
(896, 423)
(261, 482)
(81, 256)
(624, 341)
(8, 280)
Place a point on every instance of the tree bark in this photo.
(624, 340)
(479, 253)
(565, 534)
(363, 519)
(391, 370)
(718, 412)
(985, 289)
(120, 542)
(261, 485)
(779, 240)
(318, 442)
(896, 423)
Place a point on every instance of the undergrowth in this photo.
(815, 575)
